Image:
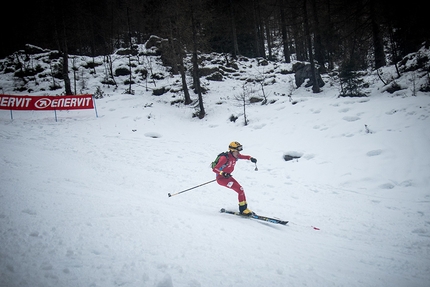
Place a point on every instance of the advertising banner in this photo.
(46, 103)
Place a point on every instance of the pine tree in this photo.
(351, 84)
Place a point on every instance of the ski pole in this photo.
(173, 194)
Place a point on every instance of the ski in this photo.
(256, 216)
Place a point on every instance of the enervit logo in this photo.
(36, 103)
(42, 103)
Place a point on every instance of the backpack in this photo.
(215, 162)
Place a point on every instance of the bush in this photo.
(350, 82)
(91, 65)
(99, 94)
(122, 71)
(159, 92)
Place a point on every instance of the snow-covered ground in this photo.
(83, 201)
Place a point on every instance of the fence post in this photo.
(95, 106)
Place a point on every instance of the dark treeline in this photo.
(360, 33)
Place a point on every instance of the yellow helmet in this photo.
(235, 146)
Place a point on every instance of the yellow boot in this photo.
(243, 208)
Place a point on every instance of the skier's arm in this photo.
(248, 157)
(222, 161)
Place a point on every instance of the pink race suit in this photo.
(226, 164)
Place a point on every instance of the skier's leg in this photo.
(233, 184)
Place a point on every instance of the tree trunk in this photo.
(284, 33)
(269, 40)
(329, 38)
(66, 78)
(378, 42)
(315, 86)
(233, 31)
(196, 72)
(298, 39)
(180, 62)
(319, 50)
(130, 55)
(178, 54)
(258, 30)
(197, 85)
(187, 98)
(65, 55)
(256, 42)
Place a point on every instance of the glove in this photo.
(254, 160)
(225, 174)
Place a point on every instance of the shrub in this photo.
(122, 71)
(350, 82)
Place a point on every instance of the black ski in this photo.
(256, 216)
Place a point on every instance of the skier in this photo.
(225, 166)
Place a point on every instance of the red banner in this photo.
(46, 103)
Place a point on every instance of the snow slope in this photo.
(83, 201)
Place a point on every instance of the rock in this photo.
(303, 72)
